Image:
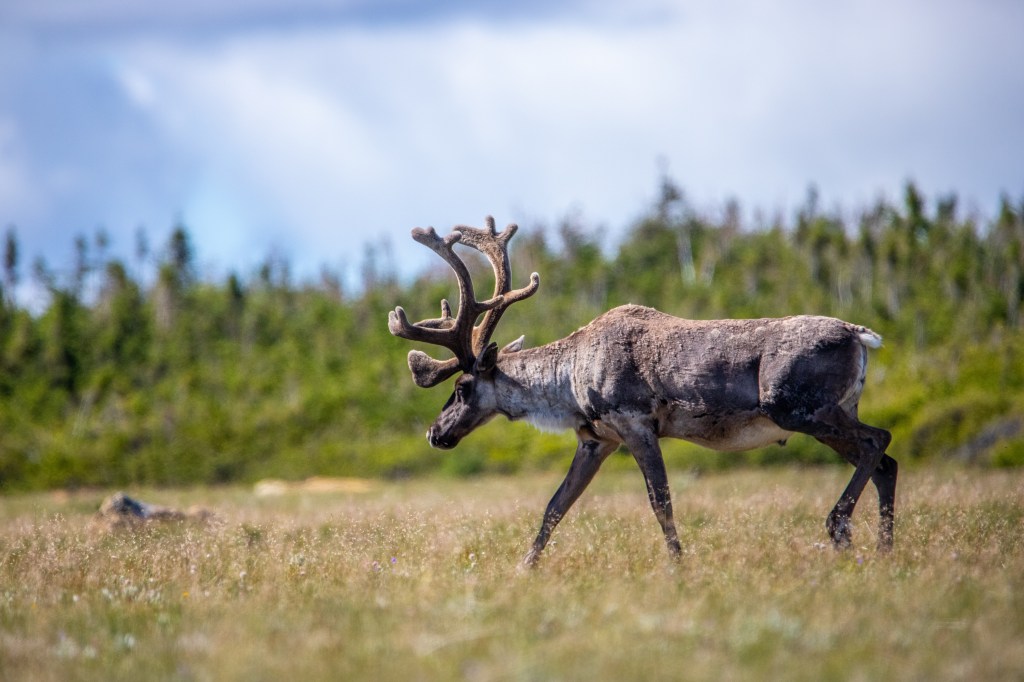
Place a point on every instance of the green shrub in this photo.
(1009, 453)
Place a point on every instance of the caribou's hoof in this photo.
(839, 530)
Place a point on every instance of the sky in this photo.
(316, 129)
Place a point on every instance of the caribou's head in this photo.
(470, 405)
(473, 401)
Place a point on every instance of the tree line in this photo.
(148, 373)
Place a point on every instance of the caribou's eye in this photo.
(462, 392)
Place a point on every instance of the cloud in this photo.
(348, 134)
(321, 138)
(192, 20)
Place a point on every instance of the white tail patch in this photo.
(869, 338)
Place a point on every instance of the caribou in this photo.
(635, 375)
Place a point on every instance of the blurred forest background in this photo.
(143, 372)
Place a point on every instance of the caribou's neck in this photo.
(534, 385)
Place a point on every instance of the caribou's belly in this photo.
(731, 433)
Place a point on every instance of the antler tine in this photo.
(455, 334)
(494, 245)
(399, 325)
(435, 331)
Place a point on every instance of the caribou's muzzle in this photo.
(441, 441)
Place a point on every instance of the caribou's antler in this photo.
(458, 334)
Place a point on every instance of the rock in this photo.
(121, 511)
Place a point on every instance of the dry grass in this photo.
(420, 580)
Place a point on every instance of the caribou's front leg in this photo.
(643, 443)
(590, 453)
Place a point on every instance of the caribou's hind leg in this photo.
(884, 479)
(864, 447)
(590, 453)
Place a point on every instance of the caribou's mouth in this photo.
(441, 442)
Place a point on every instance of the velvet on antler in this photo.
(459, 334)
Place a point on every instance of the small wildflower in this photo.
(394, 560)
(126, 641)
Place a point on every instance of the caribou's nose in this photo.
(439, 441)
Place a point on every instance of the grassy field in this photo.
(420, 580)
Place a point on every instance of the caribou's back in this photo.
(710, 381)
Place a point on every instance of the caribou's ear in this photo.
(515, 346)
(487, 360)
(427, 372)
